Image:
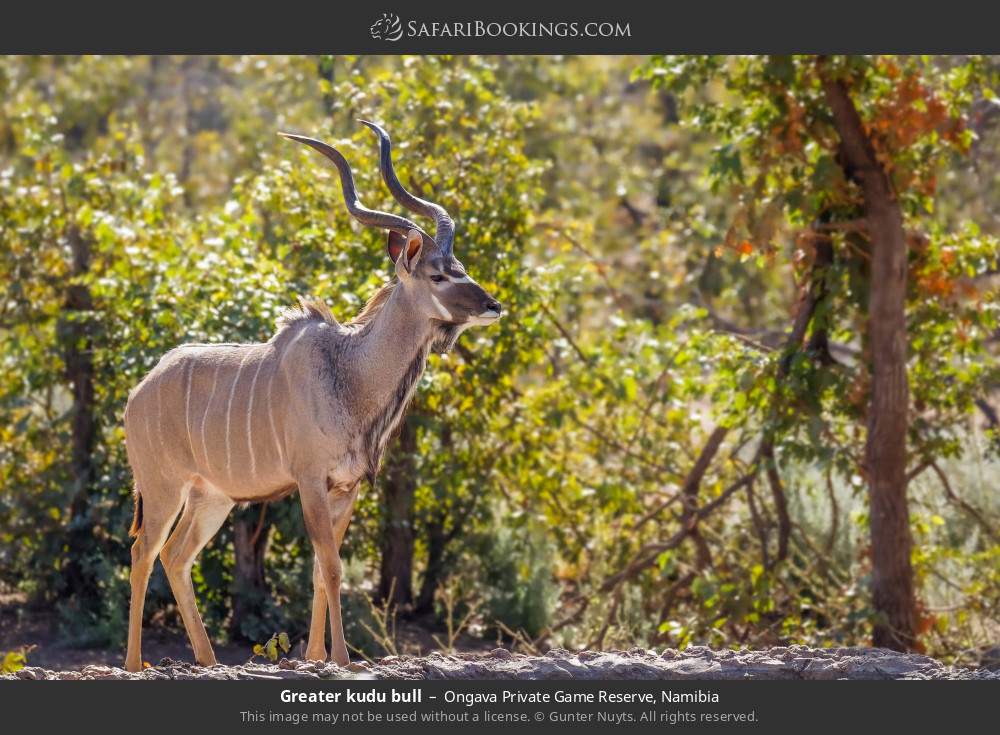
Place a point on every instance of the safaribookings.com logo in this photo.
(390, 28)
(387, 28)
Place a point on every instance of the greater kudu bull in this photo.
(312, 409)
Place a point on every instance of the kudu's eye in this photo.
(436, 278)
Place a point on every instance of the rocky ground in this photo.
(696, 663)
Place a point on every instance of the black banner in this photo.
(484, 706)
(515, 26)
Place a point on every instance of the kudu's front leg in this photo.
(319, 524)
(316, 648)
(341, 506)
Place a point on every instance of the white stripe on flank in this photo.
(149, 439)
(159, 419)
(440, 308)
(187, 408)
(204, 419)
(270, 415)
(229, 412)
(253, 458)
(296, 339)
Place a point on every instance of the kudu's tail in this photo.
(136, 516)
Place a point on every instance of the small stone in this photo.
(693, 668)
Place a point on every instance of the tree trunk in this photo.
(250, 532)
(438, 539)
(437, 542)
(396, 578)
(893, 594)
(75, 336)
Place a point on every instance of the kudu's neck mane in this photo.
(443, 336)
(315, 310)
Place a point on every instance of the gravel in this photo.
(694, 663)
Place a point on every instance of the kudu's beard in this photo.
(445, 337)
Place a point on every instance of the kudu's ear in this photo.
(405, 251)
(394, 245)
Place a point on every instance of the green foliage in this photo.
(192, 244)
(798, 209)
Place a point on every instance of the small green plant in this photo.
(270, 650)
(455, 624)
(383, 627)
(517, 589)
(13, 661)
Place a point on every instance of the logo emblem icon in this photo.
(387, 28)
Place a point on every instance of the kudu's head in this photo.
(425, 266)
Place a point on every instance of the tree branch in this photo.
(965, 506)
(689, 489)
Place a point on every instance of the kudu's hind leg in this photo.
(204, 513)
(160, 506)
(341, 509)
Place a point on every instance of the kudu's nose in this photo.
(493, 305)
